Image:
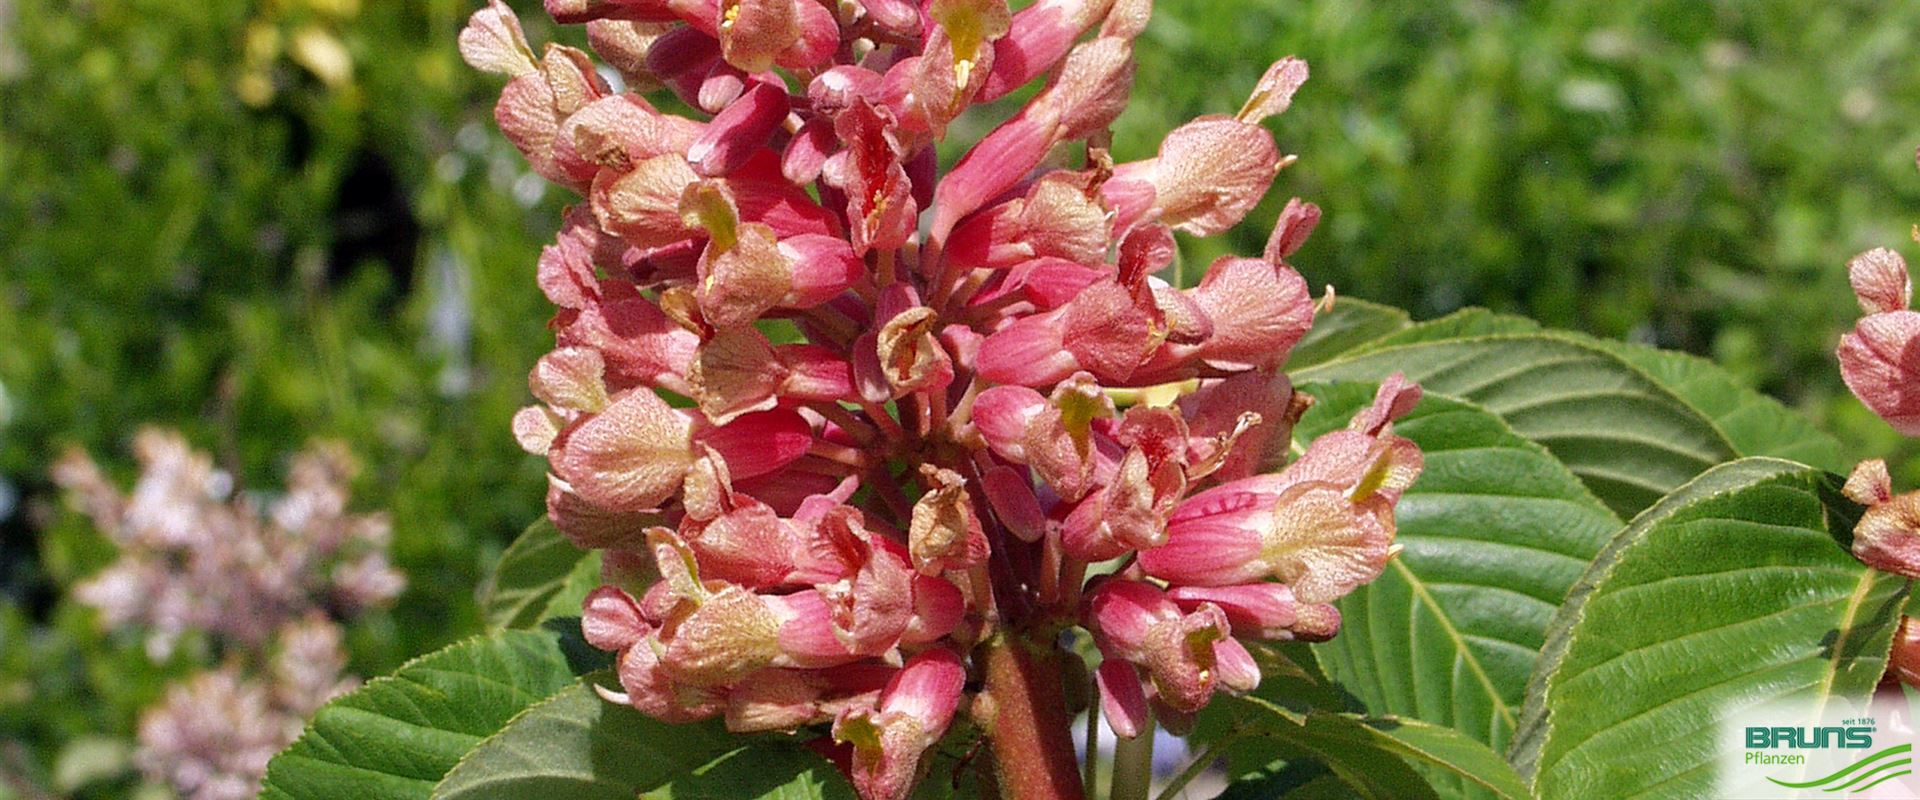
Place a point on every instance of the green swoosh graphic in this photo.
(1884, 766)
(1885, 779)
(1898, 748)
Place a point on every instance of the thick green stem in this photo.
(1030, 729)
(1133, 766)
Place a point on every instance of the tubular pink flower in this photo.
(1880, 358)
(1262, 610)
(740, 131)
(1323, 526)
(1037, 38)
(784, 699)
(1185, 656)
(913, 712)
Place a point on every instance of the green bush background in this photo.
(205, 224)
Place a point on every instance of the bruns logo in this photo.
(1801, 749)
(1856, 737)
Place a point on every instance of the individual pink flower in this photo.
(912, 714)
(1880, 358)
(1323, 525)
(1155, 650)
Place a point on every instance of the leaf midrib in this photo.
(1419, 588)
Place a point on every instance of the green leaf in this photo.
(1758, 425)
(582, 579)
(1462, 324)
(1495, 532)
(530, 574)
(394, 738)
(1350, 324)
(768, 771)
(1731, 591)
(1443, 752)
(576, 744)
(1627, 437)
(1376, 756)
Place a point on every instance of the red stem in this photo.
(1029, 727)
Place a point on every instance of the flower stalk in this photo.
(1027, 722)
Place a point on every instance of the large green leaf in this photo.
(573, 591)
(530, 574)
(1462, 324)
(1348, 325)
(1380, 756)
(1757, 425)
(394, 738)
(1730, 592)
(1627, 437)
(765, 771)
(579, 746)
(1495, 532)
(1368, 771)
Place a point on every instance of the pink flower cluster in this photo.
(211, 736)
(837, 416)
(258, 585)
(1880, 361)
(195, 559)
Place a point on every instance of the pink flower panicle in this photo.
(1880, 362)
(837, 415)
(263, 583)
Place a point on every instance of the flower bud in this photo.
(1010, 494)
(740, 130)
(1123, 698)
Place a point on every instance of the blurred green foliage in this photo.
(1687, 174)
(259, 222)
(267, 221)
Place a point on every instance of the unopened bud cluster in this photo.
(837, 416)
